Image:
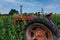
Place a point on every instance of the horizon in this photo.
(30, 5)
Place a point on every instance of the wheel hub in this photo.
(39, 32)
(39, 35)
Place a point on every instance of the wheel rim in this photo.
(38, 31)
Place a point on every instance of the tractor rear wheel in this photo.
(37, 30)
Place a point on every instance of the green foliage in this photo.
(56, 19)
(9, 31)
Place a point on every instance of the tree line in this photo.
(11, 12)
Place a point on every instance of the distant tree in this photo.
(13, 11)
(0, 13)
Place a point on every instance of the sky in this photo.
(30, 5)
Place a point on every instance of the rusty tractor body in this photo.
(21, 18)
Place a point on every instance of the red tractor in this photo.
(37, 28)
(22, 17)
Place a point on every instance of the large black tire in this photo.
(40, 21)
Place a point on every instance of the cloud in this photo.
(3, 10)
(51, 6)
(36, 4)
(32, 3)
(28, 3)
(12, 1)
(1, 6)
